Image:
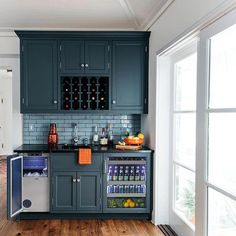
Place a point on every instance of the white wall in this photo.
(180, 17)
(9, 59)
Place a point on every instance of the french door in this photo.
(216, 130)
(183, 139)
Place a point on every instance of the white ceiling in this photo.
(80, 14)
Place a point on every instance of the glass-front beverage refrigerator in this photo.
(127, 182)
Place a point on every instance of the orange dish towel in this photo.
(84, 156)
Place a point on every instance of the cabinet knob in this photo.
(74, 180)
(78, 180)
(113, 102)
(55, 101)
(82, 65)
(86, 65)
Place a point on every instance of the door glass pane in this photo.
(185, 138)
(185, 194)
(185, 83)
(222, 151)
(221, 214)
(223, 69)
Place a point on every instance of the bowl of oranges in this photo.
(135, 140)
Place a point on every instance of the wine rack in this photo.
(84, 93)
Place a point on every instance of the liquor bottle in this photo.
(131, 174)
(102, 106)
(93, 88)
(84, 105)
(66, 105)
(93, 97)
(126, 175)
(95, 136)
(84, 88)
(93, 105)
(121, 174)
(143, 174)
(66, 96)
(75, 97)
(103, 137)
(93, 80)
(137, 173)
(66, 81)
(110, 135)
(75, 88)
(115, 173)
(75, 105)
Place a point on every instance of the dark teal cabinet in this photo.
(47, 57)
(128, 76)
(64, 191)
(84, 57)
(75, 188)
(39, 76)
(89, 192)
(71, 56)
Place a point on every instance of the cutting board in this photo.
(129, 147)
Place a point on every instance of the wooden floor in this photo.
(69, 227)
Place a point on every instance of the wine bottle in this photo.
(66, 105)
(93, 81)
(93, 105)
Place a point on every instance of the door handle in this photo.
(113, 102)
(74, 180)
(105, 166)
(55, 101)
(78, 180)
(82, 65)
(86, 65)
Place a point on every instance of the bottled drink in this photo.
(93, 80)
(131, 188)
(121, 173)
(93, 97)
(93, 88)
(103, 137)
(66, 105)
(52, 135)
(138, 189)
(116, 189)
(131, 174)
(115, 173)
(126, 189)
(93, 105)
(143, 174)
(110, 173)
(84, 88)
(96, 138)
(121, 189)
(84, 105)
(110, 136)
(137, 173)
(143, 189)
(126, 175)
(75, 105)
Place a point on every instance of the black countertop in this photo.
(60, 148)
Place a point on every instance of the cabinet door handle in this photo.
(86, 65)
(55, 101)
(78, 180)
(74, 180)
(105, 167)
(82, 65)
(113, 102)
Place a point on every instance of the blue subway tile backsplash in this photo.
(36, 126)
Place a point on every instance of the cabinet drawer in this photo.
(68, 161)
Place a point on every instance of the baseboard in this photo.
(167, 230)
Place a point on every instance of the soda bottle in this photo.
(137, 173)
(143, 174)
(131, 174)
(126, 175)
(110, 173)
(121, 173)
(115, 173)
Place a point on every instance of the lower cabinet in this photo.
(76, 192)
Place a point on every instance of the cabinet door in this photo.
(63, 191)
(88, 192)
(96, 57)
(128, 75)
(39, 76)
(72, 56)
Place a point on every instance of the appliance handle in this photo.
(105, 166)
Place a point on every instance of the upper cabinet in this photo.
(84, 71)
(128, 75)
(84, 57)
(39, 76)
